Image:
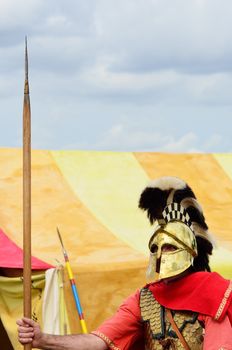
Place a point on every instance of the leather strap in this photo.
(176, 329)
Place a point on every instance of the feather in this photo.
(167, 183)
(161, 192)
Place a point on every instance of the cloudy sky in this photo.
(121, 75)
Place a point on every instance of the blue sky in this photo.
(134, 75)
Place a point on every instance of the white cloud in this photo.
(56, 21)
(176, 35)
(184, 144)
(111, 65)
(120, 137)
(18, 13)
(213, 142)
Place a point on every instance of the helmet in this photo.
(180, 224)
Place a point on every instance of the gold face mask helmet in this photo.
(172, 250)
(172, 205)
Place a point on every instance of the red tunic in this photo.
(206, 293)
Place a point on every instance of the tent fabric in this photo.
(48, 305)
(92, 196)
(11, 303)
(11, 256)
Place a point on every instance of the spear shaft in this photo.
(73, 286)
(26, 196)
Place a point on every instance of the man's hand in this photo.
(29, 332)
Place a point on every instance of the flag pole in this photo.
(26, 196)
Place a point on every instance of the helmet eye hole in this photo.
(168, 248)
(154, 248)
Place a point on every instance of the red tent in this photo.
(11, 255)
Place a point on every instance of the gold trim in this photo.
(106, 339)
(224, 301)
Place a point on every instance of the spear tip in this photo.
(60, 238)
(26, 59)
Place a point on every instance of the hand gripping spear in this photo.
(26, 196)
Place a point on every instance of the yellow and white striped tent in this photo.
(93, 198)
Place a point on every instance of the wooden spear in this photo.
(26, 196)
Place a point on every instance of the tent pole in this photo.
(26, 196)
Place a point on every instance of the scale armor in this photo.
(159, 334)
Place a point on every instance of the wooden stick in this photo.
(26, 196)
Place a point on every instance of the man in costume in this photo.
(185, 307)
